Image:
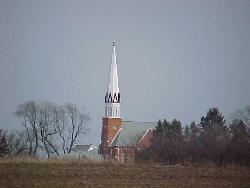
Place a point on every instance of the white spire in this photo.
(112, 97)
(113, 76)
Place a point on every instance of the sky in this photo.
(176, 59)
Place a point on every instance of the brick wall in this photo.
(110, 127)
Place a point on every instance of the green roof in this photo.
(131, 132)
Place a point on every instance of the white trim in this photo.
(115, 136)
(144, 135)
(112, 110)
(92, 147)
(113, 117)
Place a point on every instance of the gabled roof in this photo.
(93, 154)
(83, 148)
(90, 154)
(131, 132)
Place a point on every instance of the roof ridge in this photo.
(141, 121)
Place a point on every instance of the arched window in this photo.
(109, 111)
(118, 97)
(110, 98)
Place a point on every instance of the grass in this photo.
(81, 173)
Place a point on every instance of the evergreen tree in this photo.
(4, 149)
(240, 142)
(210, 141)
(214, 136)
(187, 133)
(194, 149)
(239, 131)
(168, 141)
(194, 130)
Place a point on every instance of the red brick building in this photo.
(120, 139)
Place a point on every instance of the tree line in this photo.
(46, 127)
(212, 140)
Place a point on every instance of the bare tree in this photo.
(27, 115)
(45, 122)
(69, 123)
(77, 124)
(243, 114)
(46, 127)
(22, 139)
(60, 124)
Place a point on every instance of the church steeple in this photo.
(111, 122)
(112, 97)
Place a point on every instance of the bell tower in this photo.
(111, 122)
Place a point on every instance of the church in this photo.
(120, 140)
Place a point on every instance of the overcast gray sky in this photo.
(176, 59)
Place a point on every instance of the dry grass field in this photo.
(56, 173)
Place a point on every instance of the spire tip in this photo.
(113, 43)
